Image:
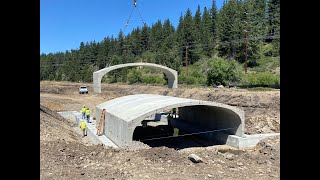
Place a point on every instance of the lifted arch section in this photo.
(171, 74)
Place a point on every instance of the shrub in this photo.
(193, 74)
(134, 76)
(224, 72)
(267, 49)
(153, 79)
(187, 79)
(261, 79)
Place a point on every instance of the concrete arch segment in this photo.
(124, 114)
(171, 74)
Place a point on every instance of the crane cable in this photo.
(128, 21)
(135, 6)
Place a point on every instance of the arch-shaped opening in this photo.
(199, 126)
(211, 121)
(171, 74)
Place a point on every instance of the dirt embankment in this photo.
(64, 156)
(262, 108)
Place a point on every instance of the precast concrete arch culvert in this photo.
(124, 116)
(171, 74)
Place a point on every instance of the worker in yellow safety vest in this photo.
(174, 112)
(83, 127)
(175, 132)
(88, 115)
(83, 110)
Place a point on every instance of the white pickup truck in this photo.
(83, 90)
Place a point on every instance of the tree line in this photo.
(206, 34)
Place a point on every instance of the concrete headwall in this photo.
(114, 128)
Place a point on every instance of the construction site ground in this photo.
(65, 154)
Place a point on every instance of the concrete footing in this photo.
(245, 142)
(249, 141)
(91, 128)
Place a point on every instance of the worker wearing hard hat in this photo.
(83, 127)
(88, 115)
(83, 110)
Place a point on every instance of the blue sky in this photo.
(65, 23)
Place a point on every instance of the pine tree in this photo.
(180, 30)
(256, 14)
(179, 37)
(274, 24)
(136, 42)
(197, 25)
(120, 43)
(145, 38)
(93, 52)
(103, 52)
(206, 36)
(213, 24)
(231, 30)
(167, 50)
(226, 18)
(255, 21)
(168, 35)
(156, 36)
(189, 38)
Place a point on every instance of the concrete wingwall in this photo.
(202, 114)
(116, 129)
(171, 74)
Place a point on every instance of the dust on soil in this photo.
(65, 154)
